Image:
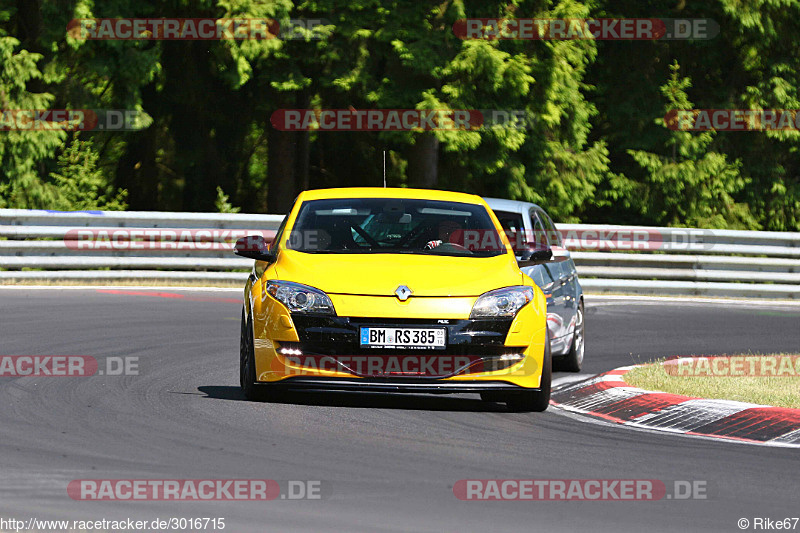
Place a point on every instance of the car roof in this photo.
(513, 206)
(390, 192)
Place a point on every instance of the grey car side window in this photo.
(553, 235)
(539, 237)
(550, 237)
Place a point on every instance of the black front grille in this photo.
(327, 335)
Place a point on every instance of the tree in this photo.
(692, 185)
(23, 153)
(80, 184)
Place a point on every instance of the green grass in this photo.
(781, 391)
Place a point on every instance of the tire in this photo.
(247, 361)
(573, 361)
(492, 396)
(537, 400)
(253, 391)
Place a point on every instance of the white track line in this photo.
(603, 299)
(584, 418)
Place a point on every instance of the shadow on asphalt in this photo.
(370, 400)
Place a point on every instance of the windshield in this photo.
(395, 225)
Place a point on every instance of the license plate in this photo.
(403, 337)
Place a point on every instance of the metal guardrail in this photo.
(52, 246)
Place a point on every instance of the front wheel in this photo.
(538, 400)
(247, 361)
(252, 390)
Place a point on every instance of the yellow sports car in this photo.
(397, 290)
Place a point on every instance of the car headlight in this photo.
(502, 302)
(300, 298)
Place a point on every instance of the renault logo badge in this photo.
(402, 292)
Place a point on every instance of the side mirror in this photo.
(254, 247)
(560, 254)
(535, 257)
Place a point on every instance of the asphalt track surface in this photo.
(387, 462)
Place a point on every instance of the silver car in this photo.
(530, 229)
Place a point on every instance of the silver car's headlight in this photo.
(300, 298)
(502, 302)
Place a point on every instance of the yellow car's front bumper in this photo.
(324, 352)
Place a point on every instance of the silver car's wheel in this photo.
(573, 361)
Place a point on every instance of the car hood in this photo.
(382, 274)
